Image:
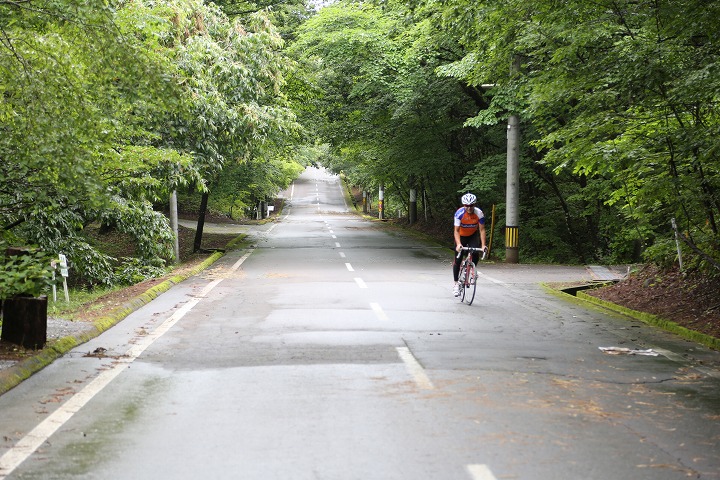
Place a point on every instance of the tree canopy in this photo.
(107, 107)
(618, 102)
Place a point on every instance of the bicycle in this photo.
(468, 274)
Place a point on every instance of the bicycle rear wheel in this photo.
(471, 283)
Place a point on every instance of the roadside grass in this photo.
(80, 298)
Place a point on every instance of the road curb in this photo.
(648, 318)
(24, 369)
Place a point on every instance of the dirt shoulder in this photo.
(687, 299)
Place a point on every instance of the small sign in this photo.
(63, 265)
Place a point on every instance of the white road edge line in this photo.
(45, 429)
(480, 472)
(379, 312)
(415, 369)
(241, 260)
(494, 280)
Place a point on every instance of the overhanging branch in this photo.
(697, 250)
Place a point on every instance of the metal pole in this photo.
(677, 242)
(492, 229)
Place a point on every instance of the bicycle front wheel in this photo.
(471, 283)
(462, 280)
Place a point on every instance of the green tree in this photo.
(615, 96)
(78, 90)
(108, 108)
(388, 117)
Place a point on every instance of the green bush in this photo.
(27, 274)
(135, 270)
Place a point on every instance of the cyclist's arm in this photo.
(456, 234)
(482, 236)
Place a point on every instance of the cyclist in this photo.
(469, 231)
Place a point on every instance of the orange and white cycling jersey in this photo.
(469, 220)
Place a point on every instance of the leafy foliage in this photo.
(618, 102)
(28, 274)
(109, 107)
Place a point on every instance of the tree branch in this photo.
(14, 224)
(697, 250)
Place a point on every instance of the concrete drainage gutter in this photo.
(577, 293)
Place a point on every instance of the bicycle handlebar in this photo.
(474, 249)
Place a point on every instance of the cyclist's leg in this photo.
(458, 261)
(474, 242)
(456, 267)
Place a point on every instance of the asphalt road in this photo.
(333, 349)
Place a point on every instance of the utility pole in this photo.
(512, 195)
(174, 225)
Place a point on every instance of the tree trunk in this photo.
(201, 222)
(25, 321)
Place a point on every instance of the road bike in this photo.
(468, 274)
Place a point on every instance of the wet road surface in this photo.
(333, 349)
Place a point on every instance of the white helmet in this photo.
(468, 199)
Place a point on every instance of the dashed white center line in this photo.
(379, 311)
(415, 369)
(342, 254)
(349, 267)
(337, 245)
(480, 472)
(360, 282)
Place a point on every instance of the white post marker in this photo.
(64, 273)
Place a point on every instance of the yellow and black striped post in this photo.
(512, 244)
